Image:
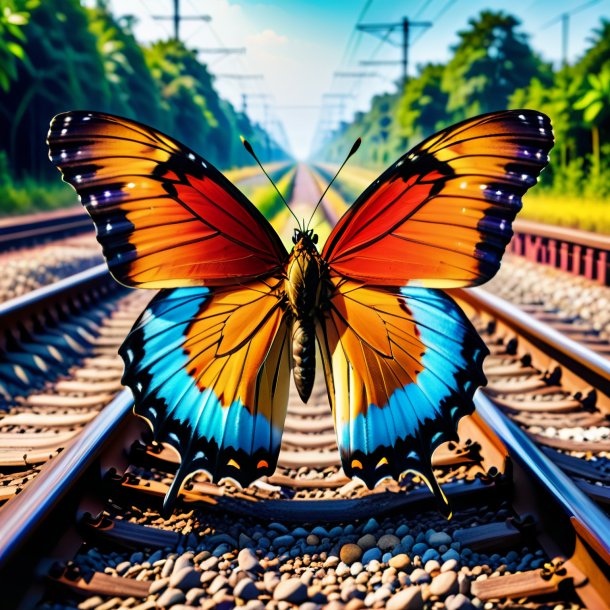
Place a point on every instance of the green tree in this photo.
(12, 40)
(596, 109)
(491, 60)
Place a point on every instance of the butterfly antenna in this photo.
(249, 148)
(354, 148)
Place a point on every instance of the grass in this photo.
(29, 196)
(579, 213)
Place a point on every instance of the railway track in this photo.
(523, 534)
(43, 227)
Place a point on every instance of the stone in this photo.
(367, 542)
(419, 576)
(331, 562)
(407, 599)
(430, 554)
(371, 526)
(245, 590)
(451, 554)
(248, 561)
(185, 579)
(356, 568)
(254, 604)
(283, 541)
(387, 542)
(313, 540)
(419, 548)
(458, 602)
(451, 565)
(209, 564)
(350, 553)
(291, 590)
(194, 595)
(444, 584)
(184, 561)
(402, 530)
(373, 554)
(278, 527)
(400, 562)
(220, 582)
(170, 597)
(158, 585)
(432, 566)
(436, 539)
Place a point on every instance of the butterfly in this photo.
(209, 359)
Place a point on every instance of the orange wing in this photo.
(401, 369)
(209, 370)
(441, 216)
(164, 216)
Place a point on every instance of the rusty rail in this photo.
(571, 250)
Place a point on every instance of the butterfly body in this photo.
(306, 290)
(209, 360)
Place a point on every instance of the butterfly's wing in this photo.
(401, 367)
(166, 217)
(209, 369)
(441, 216)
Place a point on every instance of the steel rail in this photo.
(27, 511)
(25, 230)
(593, 524)
(579, 359)
(40, 300)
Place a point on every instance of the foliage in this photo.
(58, 55)
(493, 67)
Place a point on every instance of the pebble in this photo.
(331, 562)
(449, 566)
(419, 548)
(248, 561)
(419, 576)
(371, 526)
(313, 540)
(254, 604)
(367, 542)
(220, 582)
(430, 554)
(387, 542)
(170, 597)
(450, 555)
(283, 541)
(290, 590)
(373, 554)
(458, 602)
(184, 579)
(278, 527)
(356, 568)
(158, 585)
(407, 599)
(246, 590)
(400, 562)
(402, 530)
(432, 566)
(184, 561)
(436, 539)
(444, 583)
(350, 553)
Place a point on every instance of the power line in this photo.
(565, 27)
(403, 26)
(177, 17)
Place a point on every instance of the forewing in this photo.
(209, 369)
(401, 369)
(165, 217)
(441, 216)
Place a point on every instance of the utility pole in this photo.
(384, 31)
(565, 27)
(177, 18)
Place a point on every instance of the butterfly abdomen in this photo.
(303, 285)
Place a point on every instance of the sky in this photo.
(295, 47)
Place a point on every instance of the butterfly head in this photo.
(308, 238)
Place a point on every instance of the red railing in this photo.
(571, 250)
